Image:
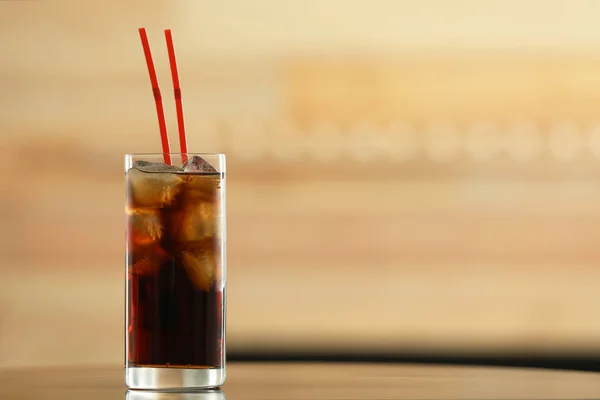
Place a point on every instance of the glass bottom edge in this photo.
(156, 378)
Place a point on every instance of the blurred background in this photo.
(405, 178)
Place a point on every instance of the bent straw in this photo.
(157, 97)
(177, 93)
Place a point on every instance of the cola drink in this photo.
(175, 251)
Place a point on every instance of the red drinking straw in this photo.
(177, 93)
(157, 97)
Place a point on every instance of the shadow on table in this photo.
(590, 363)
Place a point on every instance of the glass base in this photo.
(173, 378)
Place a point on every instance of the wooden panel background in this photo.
(399, 179)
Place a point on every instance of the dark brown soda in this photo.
(171, 321)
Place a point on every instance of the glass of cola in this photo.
(176, 271)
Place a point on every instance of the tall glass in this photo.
(176, 271)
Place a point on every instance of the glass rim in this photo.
(217, 160)
(173, 154)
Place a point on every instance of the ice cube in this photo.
(147, 166)
(144, 226)
(197, 164)
(195, 220)
(202, 261)
(200, 211)
(202, 187)
(153, 189)
(146, 260)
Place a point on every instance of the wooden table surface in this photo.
(247, 381)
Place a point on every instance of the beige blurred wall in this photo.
(403, 175)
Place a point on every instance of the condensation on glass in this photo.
(176, 271)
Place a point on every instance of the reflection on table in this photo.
(173, 395)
